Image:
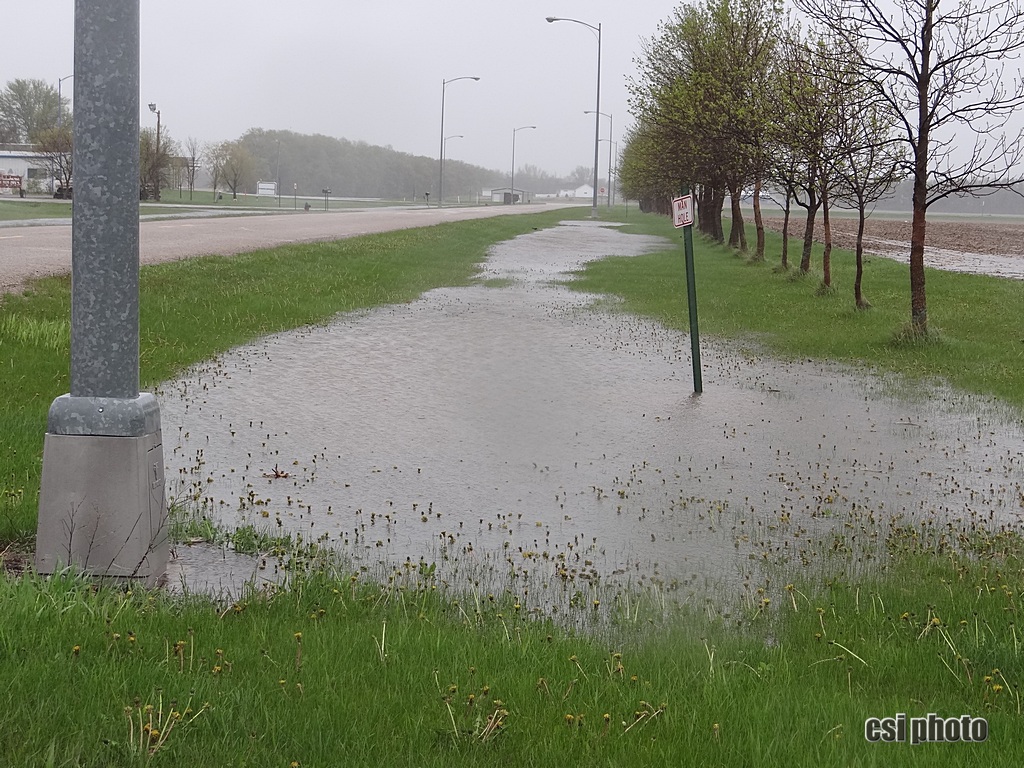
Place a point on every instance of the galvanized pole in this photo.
(102, 507)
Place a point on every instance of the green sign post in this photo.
(682, 217)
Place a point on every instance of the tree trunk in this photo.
(737, 232)
(758, 221)
(805, 256)
(826, 256)
(858, 296)
(787, 211)
(918, 301)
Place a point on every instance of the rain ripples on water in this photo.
(515, 428)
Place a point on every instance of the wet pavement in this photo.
(515, 429)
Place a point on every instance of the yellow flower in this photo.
(76, 650)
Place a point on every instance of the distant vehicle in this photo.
(63, 193)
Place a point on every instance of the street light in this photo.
(60, 101)
(611, 133)
(514, 132)
(60, 115)
(440, 164)
(597, 108)
(152, 108)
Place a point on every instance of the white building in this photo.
(19, 160)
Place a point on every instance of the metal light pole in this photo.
(597, 107)
(102, 504)
(514, 132)
(60, 101)
(60, 115)
(152, 108)
(278, 173)
(611, 133)
(440, 159)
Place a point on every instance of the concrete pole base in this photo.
(102, 508)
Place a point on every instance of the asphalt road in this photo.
(35, 251)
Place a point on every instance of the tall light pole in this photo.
(514, 132)
(60, 101)
(440, 163)
(597, 107)
(60, 115)
(156, 159)
(611, 133)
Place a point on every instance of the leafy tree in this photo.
(238, 168)
(154, 161)
(938, 67)
(27, 108)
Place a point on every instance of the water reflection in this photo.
(519, 428)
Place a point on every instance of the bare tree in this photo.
(215, 156)
(938, 66)
(54, 146)
(193, 151)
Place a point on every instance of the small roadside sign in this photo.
(682, 211)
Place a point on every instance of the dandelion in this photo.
(76, 650)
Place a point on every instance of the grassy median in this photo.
(977, 340)
(345, 667)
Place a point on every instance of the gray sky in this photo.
(371, 70)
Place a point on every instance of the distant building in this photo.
(583, 191)
(20, 160)
(504, 195)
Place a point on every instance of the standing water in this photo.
(516, 427)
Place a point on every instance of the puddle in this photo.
(517, 432)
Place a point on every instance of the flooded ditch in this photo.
(512, 430)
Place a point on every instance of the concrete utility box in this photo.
(102, 504)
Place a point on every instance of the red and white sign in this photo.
(682, 211)
(10, 181)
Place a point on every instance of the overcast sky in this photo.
(371, 70)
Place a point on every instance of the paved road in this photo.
(27, 252)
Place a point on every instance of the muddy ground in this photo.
(1000, 236)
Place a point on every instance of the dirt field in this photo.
(994, 236)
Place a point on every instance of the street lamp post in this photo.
(513, 183)
(156, 159)
(60, 115)
(611, 133)
(440, 159)
(597, 107)
(60, 101)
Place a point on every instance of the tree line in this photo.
(837, 104)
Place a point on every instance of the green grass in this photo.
(24, 210)
(192, 310)
(342, 669)
(977, 342)
(171, 202)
